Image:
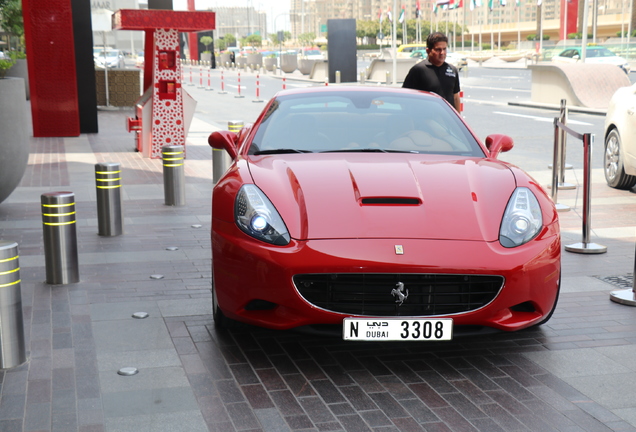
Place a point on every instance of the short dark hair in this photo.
(435, 37)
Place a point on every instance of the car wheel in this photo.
(613, 163)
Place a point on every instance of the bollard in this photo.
(626, 296)
(222, 85)
(12, 344)
(109, 209)
(337, 77)
(60, 237)
(362, 77)
(220, 158)
(173, 175)
(208, 88)
(284, 83)
(200, 77)
(258, 89)
(239, 95)
(564, 136)
(388, 78)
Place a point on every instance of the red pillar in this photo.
(48, 31)
(193, 43)
(572, 15)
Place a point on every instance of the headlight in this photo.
(522, 219)
(257, 217)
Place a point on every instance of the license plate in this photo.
(397, 329)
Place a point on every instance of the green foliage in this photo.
(371, 28)
(274, 37)
(5, 64)
(229, 39)
(579, 35)
(306, 39)
(534, 37)
(220, 44)
(15, 55)
(11, 17)
(206, 40)
(252, 40)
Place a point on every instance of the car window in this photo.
(363, 121)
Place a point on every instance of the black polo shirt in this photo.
(442, 80)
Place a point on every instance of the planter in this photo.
(305, 66)
(269, 63)
(14, 139)
(241, 62)
(206, 57)
(19, 70)
(288, 63)
(225, 60)
(255, 60)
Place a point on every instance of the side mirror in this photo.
(498, 143)
(576, 57)
(224, 140)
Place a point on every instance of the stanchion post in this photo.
(109, 209)
(173, 175)
(337, 77)
(220, 159)
(12, 342)
(626, 296)
(388, 78)
(556, 157)
(585, 246)
(60, 238)
(362, 77)
(564, 139)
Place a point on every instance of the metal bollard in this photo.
(60, 238)
(12, 344)
(173, 175)
(362, 77)
(388, 78)
(337, 77)
(220, 159)
(556, 156)
(109, 209)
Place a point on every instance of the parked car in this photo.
(619, 160)
(593, 54)
(457, 60)
(111, 57)
(376, 211)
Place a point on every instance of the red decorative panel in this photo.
(183, 21)
(167, 99)
(48, 28)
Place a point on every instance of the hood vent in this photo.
(391, 201)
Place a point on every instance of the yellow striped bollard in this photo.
(60, 237)
(173, 174)
(109, 209)
(220, 159)
(12, 344)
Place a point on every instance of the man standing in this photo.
(433, 74)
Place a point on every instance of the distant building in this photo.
(240, 22)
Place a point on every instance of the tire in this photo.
(613, 161)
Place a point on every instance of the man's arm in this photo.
(458, 102)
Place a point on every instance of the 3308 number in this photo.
(419, 330)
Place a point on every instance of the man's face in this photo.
(437, 54)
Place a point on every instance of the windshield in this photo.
(363, 121)
(603, 52)
(109, 53)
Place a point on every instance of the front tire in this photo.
(613, 161)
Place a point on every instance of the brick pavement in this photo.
(573, 374)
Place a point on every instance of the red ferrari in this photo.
(378, 211)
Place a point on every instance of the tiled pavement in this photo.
(576, 373)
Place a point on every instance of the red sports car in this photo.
(378, 211)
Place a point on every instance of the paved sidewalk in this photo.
(575, 374)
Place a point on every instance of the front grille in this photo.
(371, 294)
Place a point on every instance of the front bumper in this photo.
(254, 280)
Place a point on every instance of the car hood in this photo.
(386, 195)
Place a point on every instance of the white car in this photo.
(593, 54)
(113, 58)
(619, 160)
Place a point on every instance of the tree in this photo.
(307, 39)
(229, 39)
(206, 40)
(11, 18)
(220, 44)
(252, 40)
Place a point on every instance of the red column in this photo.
(48, 31)
(572, 15)
(193, 43)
